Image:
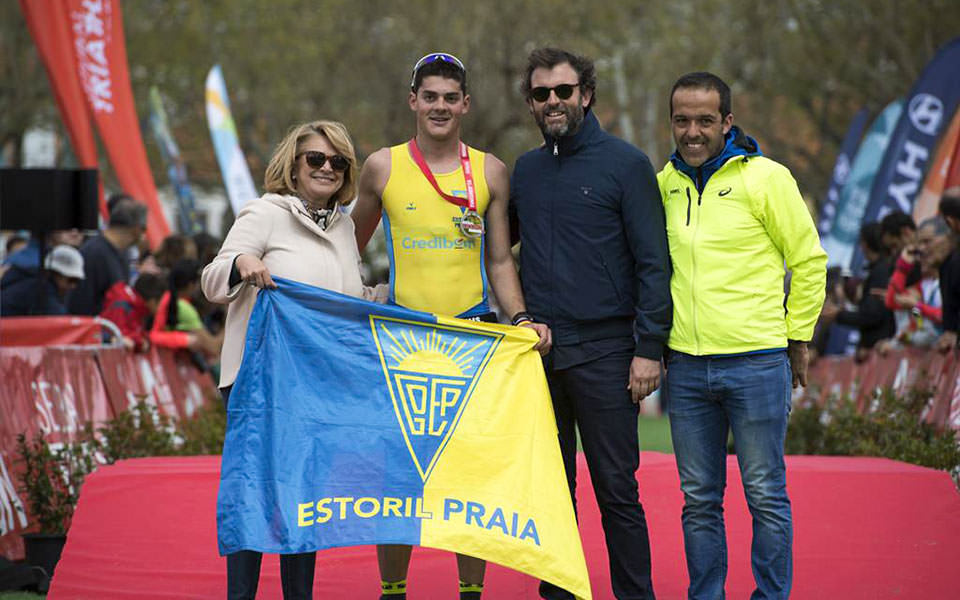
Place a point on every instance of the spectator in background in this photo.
(105, 256)
(214, 315)
(872, 317)
(835, 295)
(45, 292)
(950, 272)
(14, 243)
(176, 312)
(131, 308)
(134, 252)
(147, 263)
(173, 248)
(25, 262)
(207, 246)
(898, 231)
(918, 305)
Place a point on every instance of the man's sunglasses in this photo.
(563, 91)
(316, 160)
(434, 57)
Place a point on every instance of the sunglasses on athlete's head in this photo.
(316, 160)
(563, 91)
(434, 57)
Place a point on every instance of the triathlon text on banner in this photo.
(99, 60)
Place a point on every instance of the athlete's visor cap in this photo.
(434, 57)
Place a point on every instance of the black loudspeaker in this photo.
(44, 200)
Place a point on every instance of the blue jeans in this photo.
(749, 395)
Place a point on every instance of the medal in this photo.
(471, 223)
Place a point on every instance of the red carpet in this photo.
(864, 528)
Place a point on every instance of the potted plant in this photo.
(51, 479)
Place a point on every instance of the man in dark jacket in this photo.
(872, 317)
(594, 266)
(105, 256)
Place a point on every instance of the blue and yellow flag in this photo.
(355, 423)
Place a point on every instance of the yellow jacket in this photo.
(728, 246)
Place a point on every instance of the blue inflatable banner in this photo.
(855, 194)
(841, 170)
(927, 110)
(352, 423)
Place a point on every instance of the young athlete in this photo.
(444, 208)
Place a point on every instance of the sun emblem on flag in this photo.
(431, 372)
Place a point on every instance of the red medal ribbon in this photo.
(470, 202)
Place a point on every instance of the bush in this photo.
(53, 474)
(203, 433)
(142, 431)
(52, 477)
(136, 433)
(892, 428)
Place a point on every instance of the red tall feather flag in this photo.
(82, 45)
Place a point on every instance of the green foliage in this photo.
(136, 433)
(54, 473)
(142, 431)
(203, 433)
(654, 434)
(20, 596)
(51, 479)
(892, 429)
(799, 69)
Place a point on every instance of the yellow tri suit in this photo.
(433, 266)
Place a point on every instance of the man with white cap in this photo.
(46, 292)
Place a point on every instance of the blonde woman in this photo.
(296, 231)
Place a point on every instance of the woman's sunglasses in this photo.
(542, 94)
(316, 160)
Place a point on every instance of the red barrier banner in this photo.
(49, 331)
(98, 60)
(189, 386)
(57, 390)
(54, 391)
(900, 370)
(142, 377)
(198, 386)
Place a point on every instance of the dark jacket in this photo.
(950, 290)
(31, 296)
(872, 317)
(24, 264)
(103, 265)
(594, 262)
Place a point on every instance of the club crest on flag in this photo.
(431, 372)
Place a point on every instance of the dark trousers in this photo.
(296, 575)
(243, 567)
(593, 397)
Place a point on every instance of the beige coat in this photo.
(278, 231)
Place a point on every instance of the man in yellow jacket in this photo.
(735, 223)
